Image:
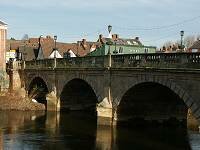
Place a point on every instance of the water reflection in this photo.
(78, 131)
(153, 138)
(1, 139)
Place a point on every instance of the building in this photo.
(43, 48)
(195, 47)
(3, 37)
(116, 45)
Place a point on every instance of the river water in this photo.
(78, 131)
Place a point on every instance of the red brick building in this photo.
(3, 37)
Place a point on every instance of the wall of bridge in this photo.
(111, 85)
(111, 78)
(184, 84)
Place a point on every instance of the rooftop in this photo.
(2, 23)
(120, 41)
(196, 45)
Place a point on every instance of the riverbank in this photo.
(18, 101)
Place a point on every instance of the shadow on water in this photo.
(79, 131)
(152, 138)
(76, 131)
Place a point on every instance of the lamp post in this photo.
(109, 28)
(182, 34)
(109, 42)
(55, 38)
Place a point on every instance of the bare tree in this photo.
(189, 41)
(25, 37)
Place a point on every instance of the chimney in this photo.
(48, 37)
(84, 41)
(115, 36)
(137, 38)
(100, 36)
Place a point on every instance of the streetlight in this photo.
(109, 42)
(182, 34)
(55, 38)
(109, 28)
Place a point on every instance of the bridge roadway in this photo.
(159, 86)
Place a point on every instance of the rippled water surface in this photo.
(70, 131)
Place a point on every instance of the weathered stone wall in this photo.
(110, 85)
(4, 80)
(185, 85)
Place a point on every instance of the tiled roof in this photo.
(121, 41)
(30, 47)
(13, 44)
(196, 45)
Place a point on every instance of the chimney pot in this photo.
(137, 38)
(115, 36)
(84, 41)
(100, 36)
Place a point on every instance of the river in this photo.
(77, 131)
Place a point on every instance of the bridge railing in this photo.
(154, 60)
(80, 62)
(158, 60)
(14, 65)
(43, 64)
(76, 62)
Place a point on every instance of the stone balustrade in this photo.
(39, 64)
(14, 65)
(81, 62)
(154, 60)
(158, 60)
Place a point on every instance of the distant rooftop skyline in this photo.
(154, 21)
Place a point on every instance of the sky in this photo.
(154, 21)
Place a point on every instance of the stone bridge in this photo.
(120, 87)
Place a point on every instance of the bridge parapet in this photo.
(76, 62)
(14, 65)
(44, 64)
(154, 60)
(158, 60)
(82, 62)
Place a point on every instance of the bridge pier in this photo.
(105, 113)
(53, 102)
(15, 76)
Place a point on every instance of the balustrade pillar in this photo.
(55, 63)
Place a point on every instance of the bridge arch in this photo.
(180, 94)
(38, 89)
(77, 94)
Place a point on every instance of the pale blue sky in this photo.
(72, 20)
